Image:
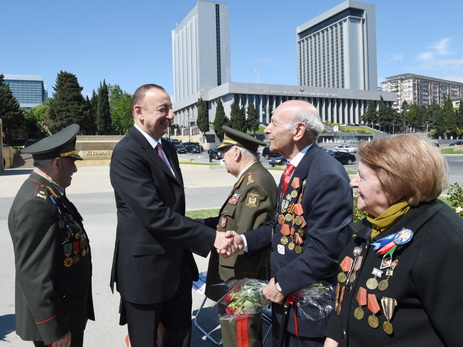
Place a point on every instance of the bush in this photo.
(455, 198)
(358, 214)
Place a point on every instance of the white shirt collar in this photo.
(153, 142)
(297, 159)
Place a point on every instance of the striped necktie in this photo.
(287, 177)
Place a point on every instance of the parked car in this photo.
(278, 161)
(345, 148)
(175, 141)
(456, 143)
(343, 157)
(217, 154)
(180, 148)
(193, 147)
(267, 154)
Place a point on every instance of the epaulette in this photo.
(41, 190)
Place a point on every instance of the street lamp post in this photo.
(189, 127)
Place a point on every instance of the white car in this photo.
(346, 148)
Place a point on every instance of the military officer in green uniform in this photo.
(251, 202)
(51, 248)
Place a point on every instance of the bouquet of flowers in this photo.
(315, 302)
(243, 298)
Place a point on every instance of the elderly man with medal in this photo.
(309, 229)
(51, 247)
(400, 279)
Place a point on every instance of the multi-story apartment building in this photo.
(337, 49)
(201, 49)
(29, 90)
(421, 90)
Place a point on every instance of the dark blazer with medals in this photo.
(318, 205)
(250, 204)
(154, 242)
(423, 281)
(53, 263)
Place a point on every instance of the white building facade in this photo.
(337, 49)
(421, 90)
(343, 106)
(201, 49)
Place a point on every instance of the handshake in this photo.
(228, 243)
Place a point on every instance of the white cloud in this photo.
(441, 46)
(399, 57)
(426, 56)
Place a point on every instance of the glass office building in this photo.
(29, 90)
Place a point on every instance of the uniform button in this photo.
(344, 335)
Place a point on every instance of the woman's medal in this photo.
(362, 300)
(373, 306)
(388, 305)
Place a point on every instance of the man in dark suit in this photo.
(153, 265)
(310, 228)
(51, 247)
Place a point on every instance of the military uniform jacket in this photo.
(53, 265)
(250, 204)
(426, 283)
(318, 205)
(154, 242)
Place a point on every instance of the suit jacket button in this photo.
(344, 335)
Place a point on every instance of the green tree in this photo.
(203, 117)
(103, 113)
(10, 112)
(371, 115)
(67, 105)
(88, 126)
(220, 120)
(251, 119)
(459, 117)
(37, 118)
(449, 117)
(237, 118)
(120, 103)
(438, 121)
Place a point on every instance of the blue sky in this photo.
(129, 42)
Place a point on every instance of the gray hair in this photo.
(311, 118)
(248, 154)
(43, 163)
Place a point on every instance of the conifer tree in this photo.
(10, 112)
(103, 113)
(251, 119)
(203, 117)
(67, 105)
(237, 118)
(220, 120)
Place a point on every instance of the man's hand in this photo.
(65, 341)
(237, 245)
(272, 293)
(224, 243)
(329, 342)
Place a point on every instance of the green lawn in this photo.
(450, 150)
(214, 212)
